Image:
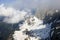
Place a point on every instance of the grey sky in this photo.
(31, 3)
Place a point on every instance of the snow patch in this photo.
(34, 30)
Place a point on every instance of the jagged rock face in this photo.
(48, 16)
(32, 29)
(7, 30)
(44, 12)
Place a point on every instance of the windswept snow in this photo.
(32, 29)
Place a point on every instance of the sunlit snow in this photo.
(37, 30)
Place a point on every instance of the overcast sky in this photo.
(30, 3)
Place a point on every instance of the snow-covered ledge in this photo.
(32, 29)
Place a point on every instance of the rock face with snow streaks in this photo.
(32, 29)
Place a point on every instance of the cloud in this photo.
(18, 4)
(47, 6)
(12, 15)
(34, 3)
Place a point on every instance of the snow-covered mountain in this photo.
(32, 29)
(25, 25)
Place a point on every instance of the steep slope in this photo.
(32, 29)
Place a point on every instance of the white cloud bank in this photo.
(12, 15)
